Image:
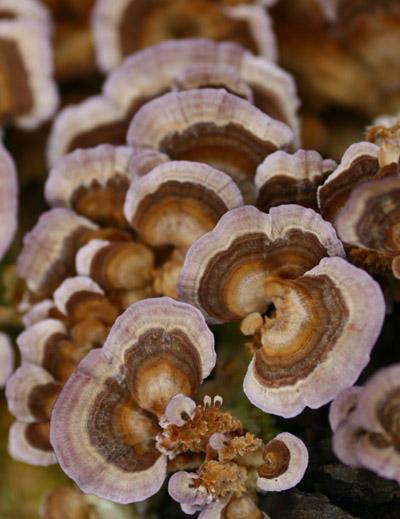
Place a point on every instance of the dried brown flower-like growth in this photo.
(126, 26)
(29, 94)
(251, 261)
(291, 179)
(104, 422)
(168, 65)
(236, 462)
(368, 434)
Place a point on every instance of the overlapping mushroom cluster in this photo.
(365, 422)
(109, 370)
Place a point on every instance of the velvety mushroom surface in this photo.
(6, 358)
(105, 420)
(368, 436)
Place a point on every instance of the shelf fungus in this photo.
(51, 349)
(153, 71)
(175, 204)
(210, 126)
(105, 420)
(286, 460)
(370, 221)
(367, 435)
(29, 93)
(359, 164)
(48, 252)
(8, 199)
(6, 358)
(93, 182)
(236, 463)
(291, 179)
(127, 26)
(303, 308)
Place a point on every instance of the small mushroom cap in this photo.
(210, 126)
(31, 392)
(91, 181)
(29, 442)
(27, 42)
(345, 439)
(8, 199)
(286, 459)
(182, 490)
(326, 325)
(371, 217)
(48, 253)
(344, 404)
(32, 342)
(178, 202)
(224, 270)
(6, 358)
(180, 409)
(38, 312)
(359, 163)
(94, 121)
(283, 178)
(69, 287)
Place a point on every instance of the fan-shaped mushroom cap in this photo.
(179, 409)
(377, 413)
(94, 121)
(320, 340)
(30, 94)
(31, 392)
(284, 179)
(70, 286)
(156, 349)
(38, 312)
(29, 442)
(48, 253)
(126, 26)
(224, 270)
(210, 126)
(371, 217)
(359, 163)
(8, 199)
(178, 202)
(6, 358)
(344, 404)
(116, 265)
(286, 459)
(93, 182)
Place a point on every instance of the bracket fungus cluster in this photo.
(179, 198)
(127, 26)
(319, 336)
(365, 424)
(174, 65)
